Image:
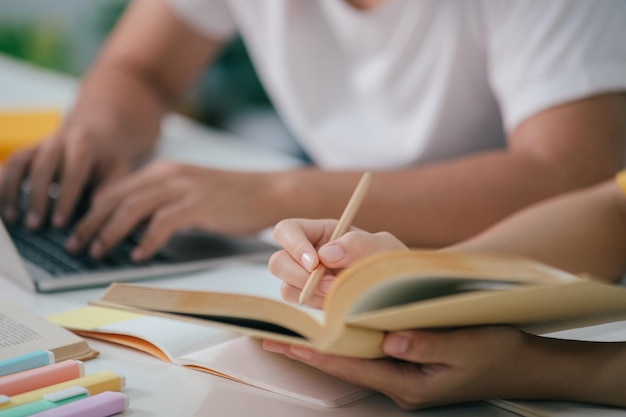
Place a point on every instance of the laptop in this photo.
(39, 261)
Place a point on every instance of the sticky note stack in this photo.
(19, 129)
(34, 385)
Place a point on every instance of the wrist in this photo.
(573, 370)
(107, 130)
(289, 194)
(311, 193)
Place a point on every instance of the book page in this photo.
(241, 312)
(606, 332)
(164, 338)
(23, 331)
(557, 409)
(406, 290)
(580, 303)
(245, 360)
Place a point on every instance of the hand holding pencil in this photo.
(342, 227)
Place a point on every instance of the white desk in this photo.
(156, 388)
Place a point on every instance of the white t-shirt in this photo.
(416, 81)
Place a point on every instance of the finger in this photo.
(414, 346)
(166, 220)
(403, 382)
(454, 347)
(114, 173)
(299, 237)
(284, 267)
(356, 245)
(292, 294)
(104, 202)
(75, 174)
(14, 173)
(395, 379)
(44, 168)
(86, 229)
(129, 212)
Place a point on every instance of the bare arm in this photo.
(581, 232)
(476, 363)
(470, 364)
(563, 148)
(147, 64)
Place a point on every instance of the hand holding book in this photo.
(468, 363)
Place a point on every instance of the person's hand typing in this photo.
(167, 197)
(75, 157)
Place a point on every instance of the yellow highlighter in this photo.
(24, 128)
(95, 384)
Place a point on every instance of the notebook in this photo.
(39, 261)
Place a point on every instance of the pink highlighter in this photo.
(43, 376)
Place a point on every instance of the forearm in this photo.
(562, 148)
(114, 100)
(568, 370)
(147, 64)
(434, 205)
(583, 232)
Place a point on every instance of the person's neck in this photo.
(364, 4)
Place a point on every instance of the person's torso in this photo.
(401, 84)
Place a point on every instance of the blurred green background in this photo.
(65, 35)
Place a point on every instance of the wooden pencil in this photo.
(342, 227)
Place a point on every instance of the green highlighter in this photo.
(49, 401)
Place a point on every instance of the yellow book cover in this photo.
(396, 291)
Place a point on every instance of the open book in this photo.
(23, 331)
(217, 351)
(396, 291)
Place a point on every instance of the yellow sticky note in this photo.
(91, 317)
(23, 128)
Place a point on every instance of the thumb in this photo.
(333, 255)
(356, 245)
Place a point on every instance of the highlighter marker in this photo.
(27, 361)
(49, 401)
(43, 376)
(102, 405)
(95, 384)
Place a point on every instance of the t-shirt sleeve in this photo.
(544, 53)
(209, 17)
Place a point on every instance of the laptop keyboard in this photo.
(46, 249)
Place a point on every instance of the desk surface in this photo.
(157, 388)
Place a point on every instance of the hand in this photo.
(170, 197)
(430, 368)
(306, 244)
(75, 157)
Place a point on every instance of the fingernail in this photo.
(58, 220)
(325, 286)
(332, 253)
(273, 347)
(32, 220)
(10, 214)
(302, 353)
(72, 244)
(137, 255)
(96, 250)
(395, 344)
(307, 261)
